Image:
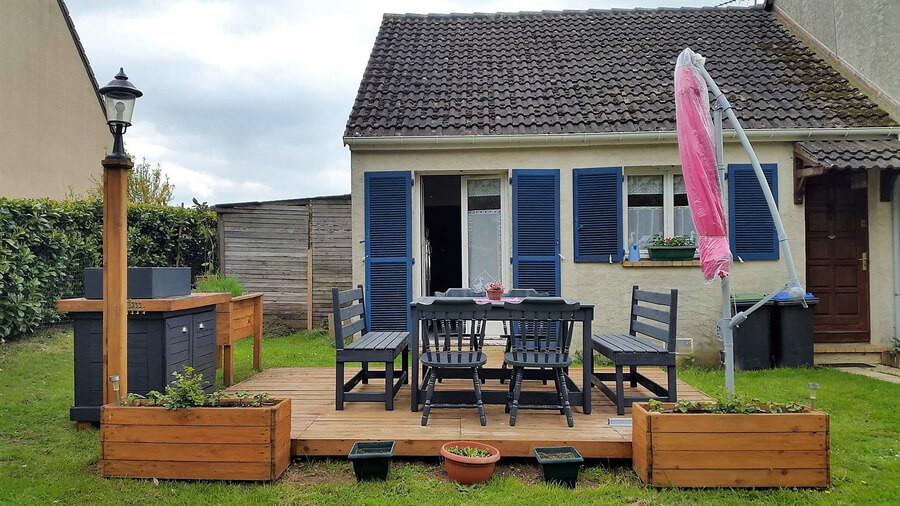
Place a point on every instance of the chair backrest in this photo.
(654, 315)
(453, 323)
(525, 292)
(348, 305)
(460, 292)
(542, 324)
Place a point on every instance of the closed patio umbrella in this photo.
(702, 159)
(696, 145)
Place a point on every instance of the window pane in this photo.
(483, 194)
(684, 224)
(645, 207)
(484, 226)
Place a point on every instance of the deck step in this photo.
(847, 353)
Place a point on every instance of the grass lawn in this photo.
(44, 460)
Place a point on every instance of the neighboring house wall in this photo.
(267, 245)
(609, 285)
(862, 33)
(53, 132)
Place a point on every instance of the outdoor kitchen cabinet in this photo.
(159, 343)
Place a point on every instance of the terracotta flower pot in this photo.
(494, 294)
(469, 470)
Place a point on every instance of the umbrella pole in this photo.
(724, 327)
(794, 288)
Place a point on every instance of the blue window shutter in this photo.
(598, 214)
(388, 250)
(536, 230)
(751, 229)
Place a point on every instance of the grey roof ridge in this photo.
(566, 12)
(585, 138)
(80, 48)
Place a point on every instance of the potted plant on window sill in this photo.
(675, 248)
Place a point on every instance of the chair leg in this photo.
(673, 384)
(428, 395)
(543, 378)
(339, 386)
(514, 409)
(509, 392)
(559, 392)
(389, 385)
(365, 373)
(632, 370)
(620, 391)
(478, 397)
(565, 394)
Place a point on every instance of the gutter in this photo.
(413, 142)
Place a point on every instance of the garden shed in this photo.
(293, 251)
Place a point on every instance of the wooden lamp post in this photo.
(119, 97)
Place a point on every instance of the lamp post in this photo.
(119, 97)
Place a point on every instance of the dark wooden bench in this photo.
(653, 316)
(368, 347)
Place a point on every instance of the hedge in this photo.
(46, 245)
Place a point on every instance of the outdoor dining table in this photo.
(577, 396)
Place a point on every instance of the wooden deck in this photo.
(318, 429)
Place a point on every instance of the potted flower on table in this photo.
(678, 247)
(494, 290)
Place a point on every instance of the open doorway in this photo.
(443, 233)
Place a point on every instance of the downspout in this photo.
(895, 235)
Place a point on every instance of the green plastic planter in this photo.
(371, 459)
(672, 253)
(564, 470)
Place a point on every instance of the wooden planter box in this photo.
(236, 319)
(220, 443)
(731, 450)
(673, 253)
(890, 358)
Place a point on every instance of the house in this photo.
(53, 130)
(531, 147)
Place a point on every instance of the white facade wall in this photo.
(606, 285)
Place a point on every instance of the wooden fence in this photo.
(293, 251)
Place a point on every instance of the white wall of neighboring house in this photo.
(609, 285)
(53, 132)
(862, 33)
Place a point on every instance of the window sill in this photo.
(662, 263)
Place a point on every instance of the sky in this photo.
(247, 100)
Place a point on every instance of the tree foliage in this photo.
(149, 185)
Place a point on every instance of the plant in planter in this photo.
(560, 464)
(734, 442)
(679, 247)
(371, 459)
(494, 290)
(469, 462)
(188, 434)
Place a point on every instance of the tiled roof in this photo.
(590, 71)
(881, 154)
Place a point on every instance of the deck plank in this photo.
(318, 429)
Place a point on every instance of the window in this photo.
(656, 203)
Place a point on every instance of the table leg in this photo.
(257, 333)
(587, 351)
(227, 372)
(414, 365)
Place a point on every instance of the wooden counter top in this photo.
(82, 305)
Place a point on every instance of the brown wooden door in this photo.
(836, 244)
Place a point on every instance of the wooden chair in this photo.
(368, 347)
(653, 317)
(453, 338)
(540, 333)
(521, 293)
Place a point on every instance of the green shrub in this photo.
(219, 283)
(46, 245)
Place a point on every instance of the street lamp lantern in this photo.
(119, 96)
